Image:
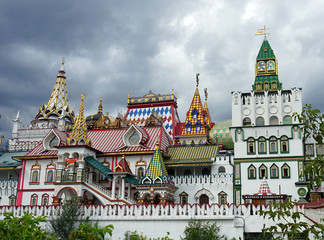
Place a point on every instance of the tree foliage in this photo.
(25, 227)
(88, 232)
(67, 220)
(313, 127)
(140, 236)
(289, 224)
(198, 229)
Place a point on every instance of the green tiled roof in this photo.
(269, 79)
(99, 166)
(156, 167)
(221, 134)
(187, 155)
(131, 179)
(8, 160)
(265, 51)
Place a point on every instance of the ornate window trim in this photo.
(250, 146)
(272, 176)
(250, 175)
(263, 172)
(35, 173)
(273, 145)
(183, 198)
(284, 144)
(262, 146)
(33, 200)
(222, 198)
(51, 167)
(285, 171)
(45, 199)
(247, 121)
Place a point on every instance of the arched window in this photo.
(287, 119)
(262, 145)
(259, 86)
(222, 198)
(274, 85)
(285, 171)
(187, 172)
(35, 176)
(266, 86)
(45, 200)
(274, 120)
(205, 171)
(309, 150)
(246, 121)
(263, 172)
(221, 169)
(194, 113)
(251, 146)
(33, 200)
(259, 121)
(198, 126)
(12, 200)
(252, 172)
(183, 198)
(284, 144)
(188, 126)
(274, 171)
(140, 172)
(273, 145)
(50, 176)
(203, 199)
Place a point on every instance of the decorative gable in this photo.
(135, 136)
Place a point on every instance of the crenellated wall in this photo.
(232, 219)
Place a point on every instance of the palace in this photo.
(149, 156)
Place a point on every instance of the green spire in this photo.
(156, 167)
(265, 51)
(266, 70)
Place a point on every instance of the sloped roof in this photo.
(156, 167)
(186, 155)
(195, 106)
(111, 141)
(7, 160)
(123, 166)
(264, 189)
(99, 166)
(265, 51)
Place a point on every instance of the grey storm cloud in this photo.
(113, 48)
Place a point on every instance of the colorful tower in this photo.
(267, 139)
(165, 106)
(56, 113)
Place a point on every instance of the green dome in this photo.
(221, 134)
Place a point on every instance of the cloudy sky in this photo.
(113, 48)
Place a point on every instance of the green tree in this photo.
(198, 229)
(67, 220)
(25, 227)
(136, 236)
(313, 127)
(290, 225)
(88, 232)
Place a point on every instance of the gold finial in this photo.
(263, 31)
(157, 145)
(206, 94)
(197, 78)
(123, 157)
(100, 99)
(63, 60)
(82, 96)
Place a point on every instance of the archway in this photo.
(203, 199)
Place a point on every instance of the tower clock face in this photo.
(261, 66)
(270, 66)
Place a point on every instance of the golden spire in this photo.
(79, 134)
(58, 103)
(100, 105)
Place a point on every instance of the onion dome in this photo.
(221, 134)
(99, 120)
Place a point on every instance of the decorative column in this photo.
(129, 191)
(123, 189)
(113, 187)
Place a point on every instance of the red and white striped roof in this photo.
(111, 141)
(264, 189)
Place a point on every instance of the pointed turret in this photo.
(79, 134)
(195, 117)
(123, 166)
(157, 167)
(58, 103)
(206, 110)
(266, 70)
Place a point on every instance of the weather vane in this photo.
(197, 78)
(263, 31)
(63, 60)
(206, 94)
